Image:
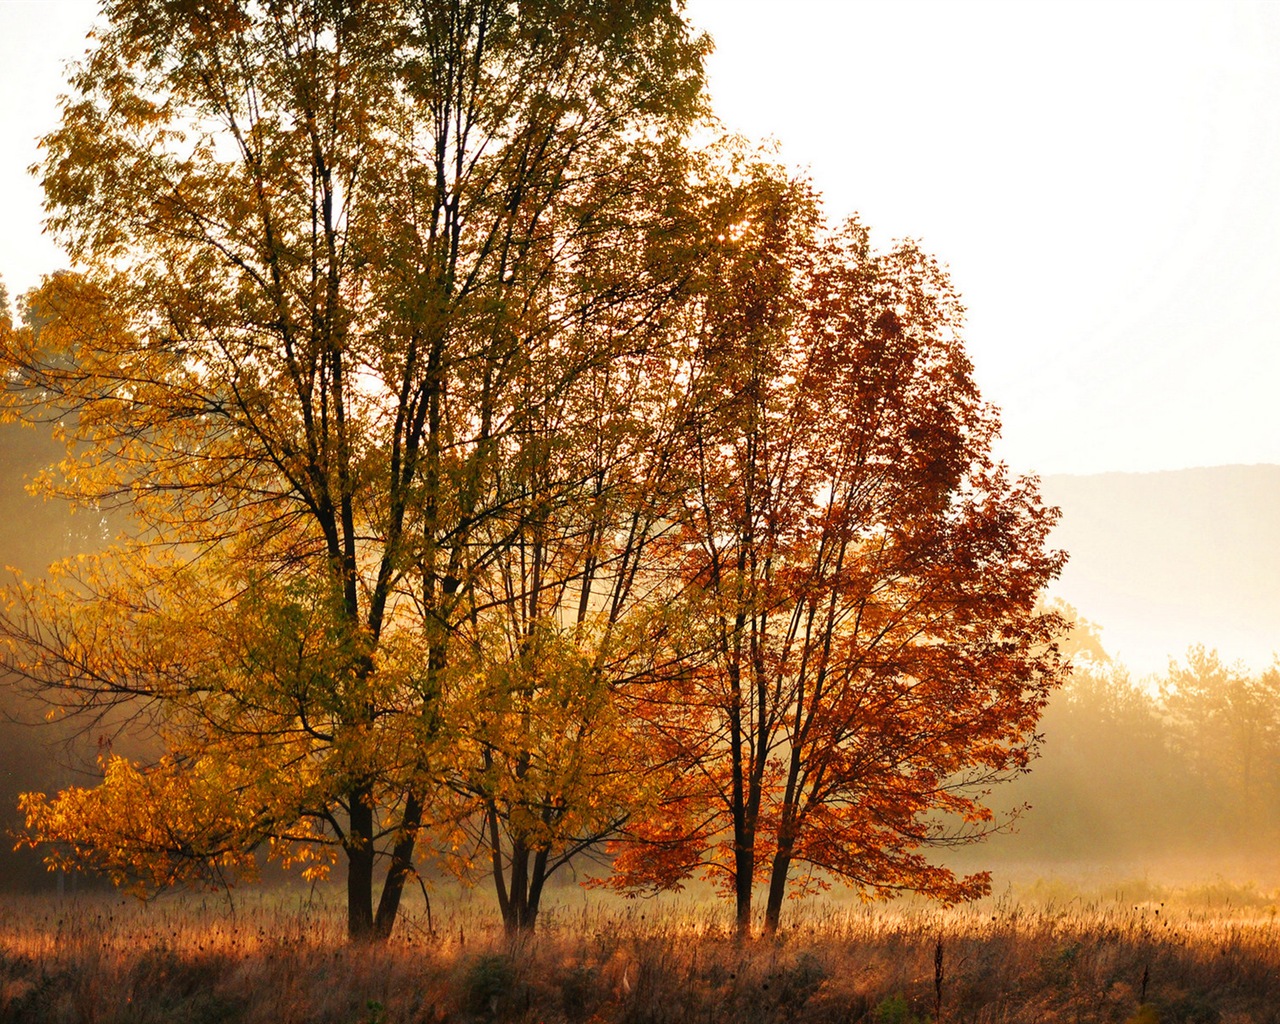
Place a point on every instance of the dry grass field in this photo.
(1202, 957)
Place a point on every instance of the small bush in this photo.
(579, 992)
(375, 1013)
(1191, 1010)
(489, 983)
(1059, 965)
(896, 1010)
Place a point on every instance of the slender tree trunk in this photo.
(777, 889)
(743, 869)
(399, 871)
(528, 879)
(518, 890)
(536, 882)
(520, 897)
(359, 850)
(495, 854)
(744, 853)
(788, 830)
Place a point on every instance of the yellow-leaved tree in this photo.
(353, 284)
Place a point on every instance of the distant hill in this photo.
(1164, 560)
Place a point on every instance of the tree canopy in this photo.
(340, 265)
(503, 472)
(860, 575)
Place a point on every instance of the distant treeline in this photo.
(1187, 764)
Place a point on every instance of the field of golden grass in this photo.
(1208, 956)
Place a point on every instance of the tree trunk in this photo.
(516, 910)
(528, 917)
(743, 875)
(777, 889)
(744, 853)
(399, 871)
(519, 898)
(524, 893)
(539, 879)
(788, 831)
(359, 850)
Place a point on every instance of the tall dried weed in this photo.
(192, 961)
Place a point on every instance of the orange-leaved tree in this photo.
(863, 573)
(320, 248)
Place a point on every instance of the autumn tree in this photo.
(564, 620)
(748, 298)
(864, 573)
(326, 252)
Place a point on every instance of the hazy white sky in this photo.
(1103, 180)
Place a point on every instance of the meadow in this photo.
(1134, 954)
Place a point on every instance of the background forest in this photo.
(1180, 771)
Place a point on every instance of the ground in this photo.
(1141, 954)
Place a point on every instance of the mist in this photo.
(36, 754)
(1175, 778)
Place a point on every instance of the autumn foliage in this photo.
(859, 581)
(503, 474)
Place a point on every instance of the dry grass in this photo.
(101, 961)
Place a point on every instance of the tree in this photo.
(866, 575)
(563, 622)
(1223, 725)
(325, 247)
